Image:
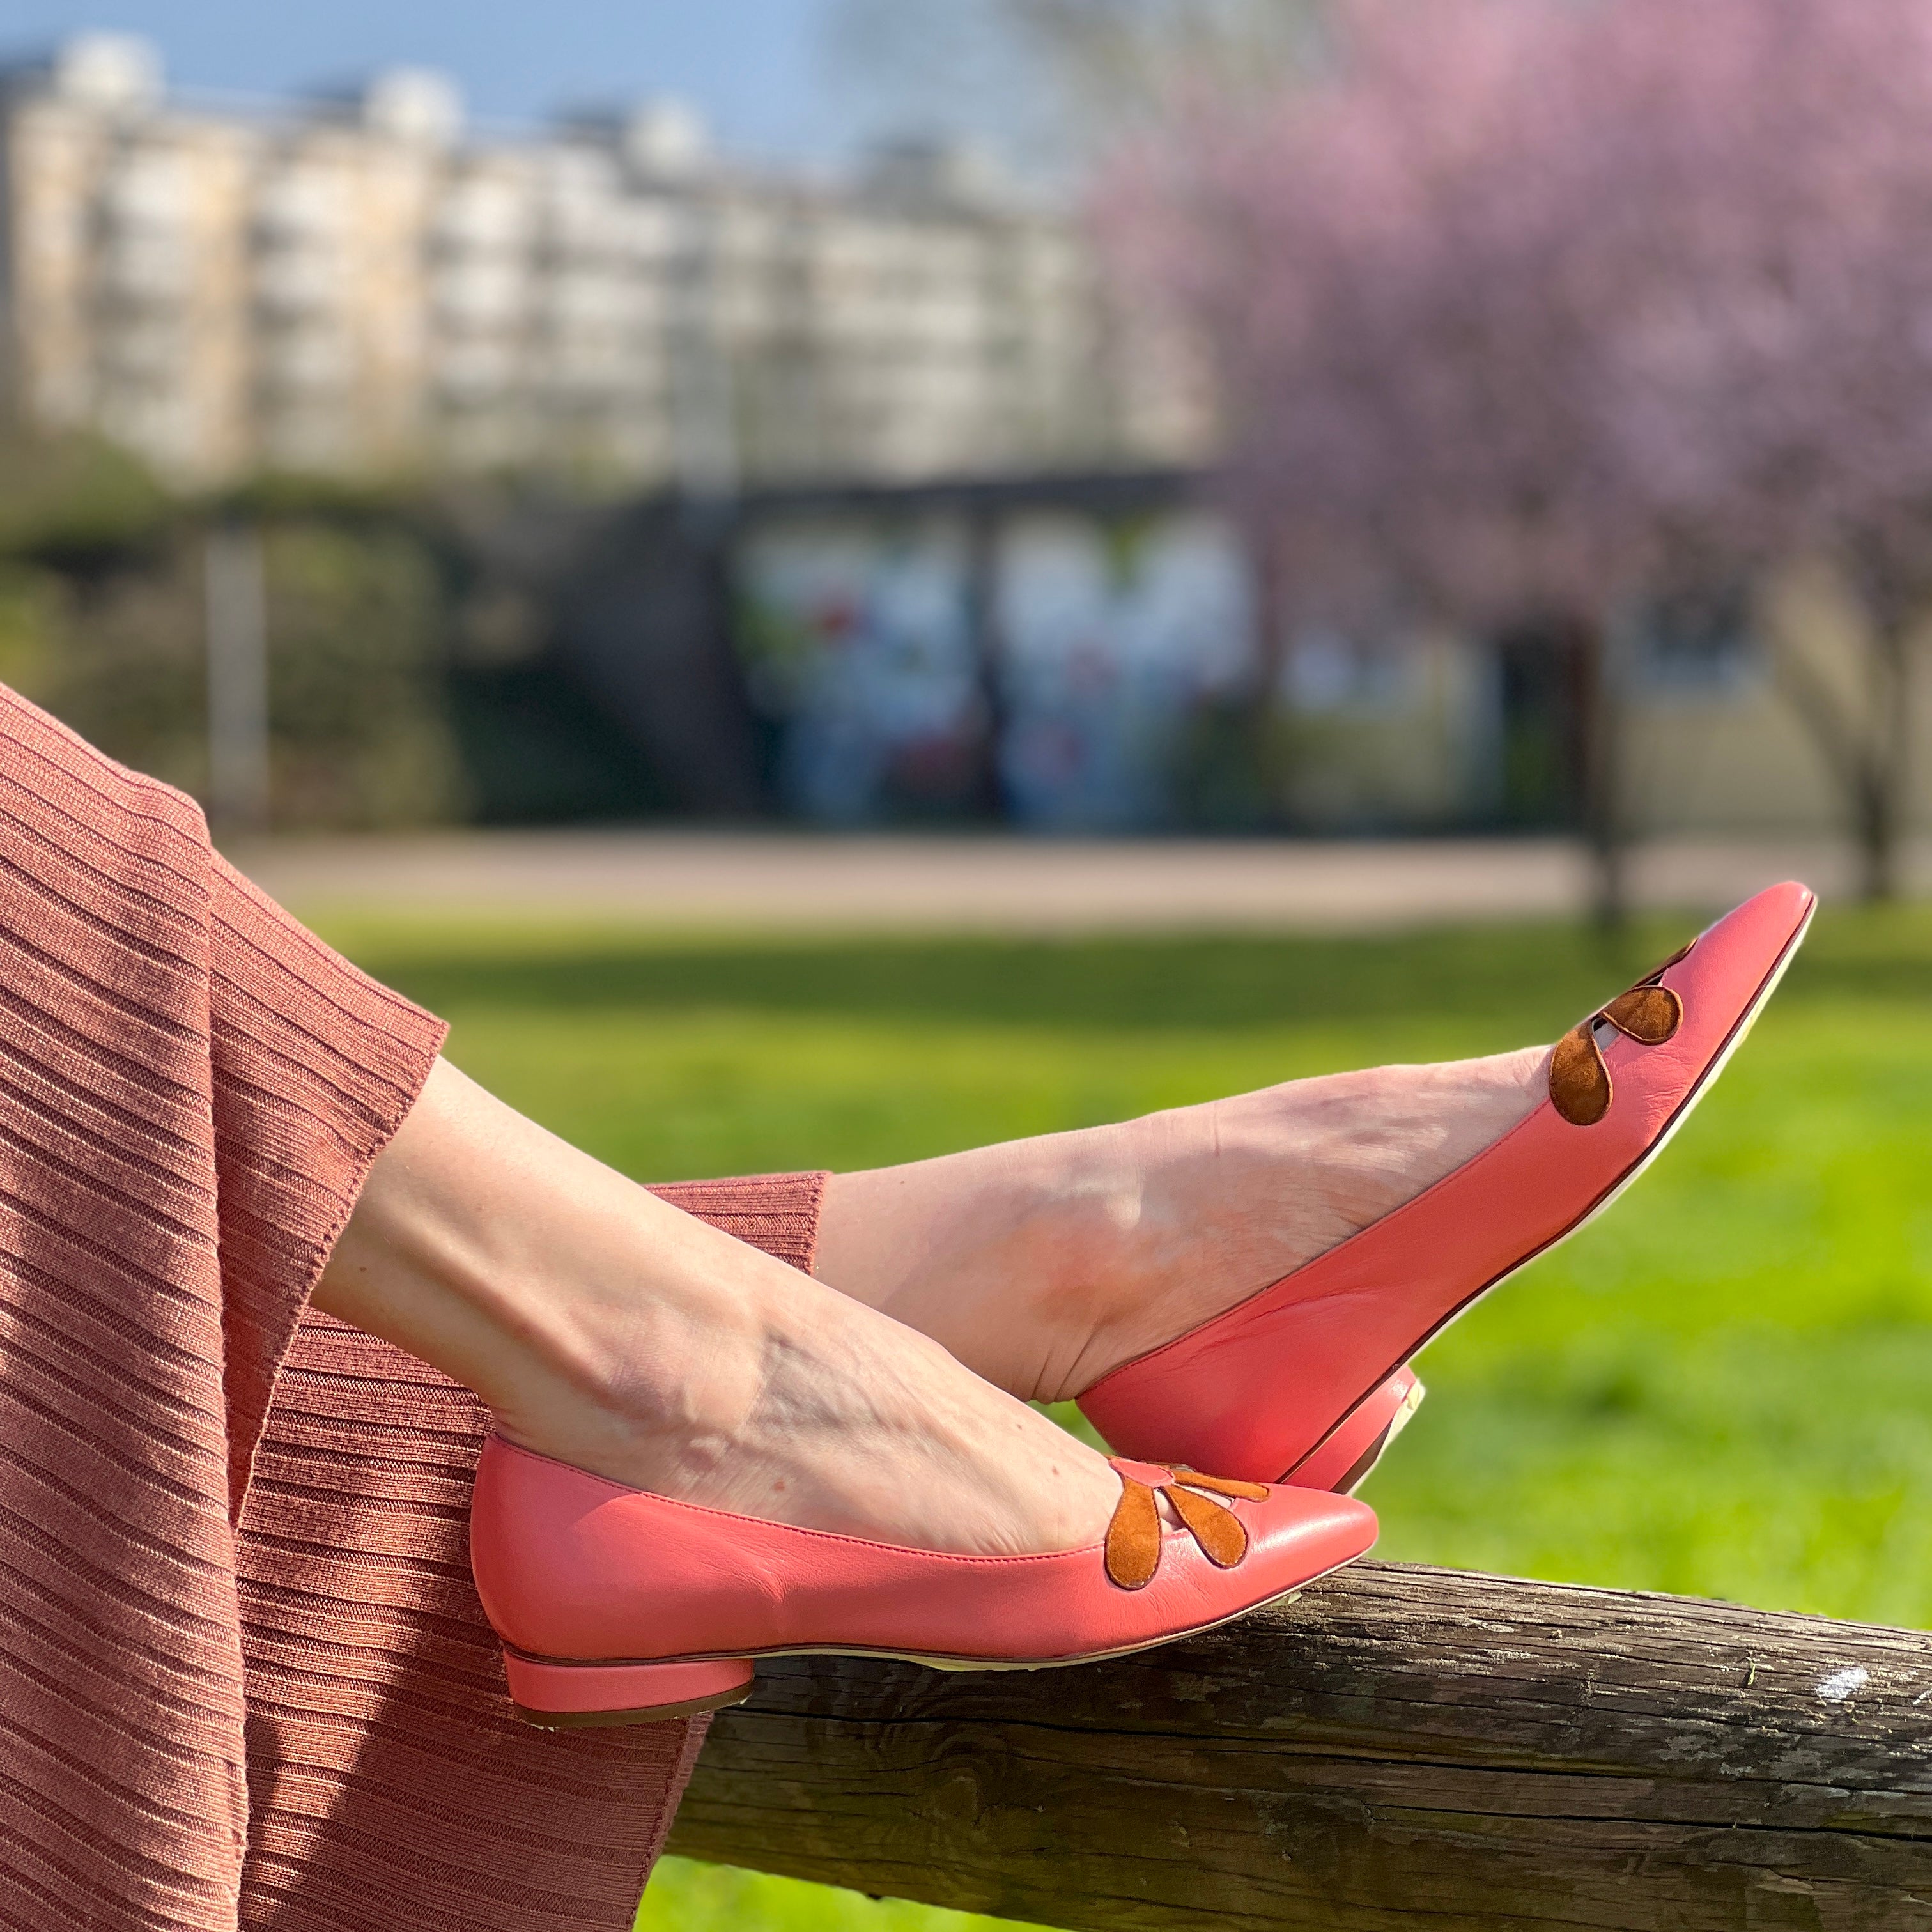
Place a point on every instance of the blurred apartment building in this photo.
(358, 284)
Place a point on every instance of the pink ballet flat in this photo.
(1310, 1377)
(617, 1607)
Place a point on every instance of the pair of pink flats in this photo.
(617, 1607)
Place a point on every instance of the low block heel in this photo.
(559, 1696)
(1357, 1443)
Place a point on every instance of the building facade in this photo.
(358, 284)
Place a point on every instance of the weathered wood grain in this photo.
(1402, 1748)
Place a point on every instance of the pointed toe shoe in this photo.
(618, 1606)
(1308, 1381)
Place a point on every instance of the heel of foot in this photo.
(558, 1696)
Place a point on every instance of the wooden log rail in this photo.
(1402, 1748)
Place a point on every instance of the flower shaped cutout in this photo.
(1579, 1077)
(1134, 1539)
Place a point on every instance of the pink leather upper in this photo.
(571, 1566)
(1251, 1393)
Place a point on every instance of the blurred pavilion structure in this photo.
(963, 554)
(357, 283)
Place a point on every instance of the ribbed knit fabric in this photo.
(227, 1702)
(392, 1791)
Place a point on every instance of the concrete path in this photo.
(729, 880)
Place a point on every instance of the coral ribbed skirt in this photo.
(244, 1678)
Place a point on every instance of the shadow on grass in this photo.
(1533, 980)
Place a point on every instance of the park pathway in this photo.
(698, 879)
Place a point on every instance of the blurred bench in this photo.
(1402, 1747)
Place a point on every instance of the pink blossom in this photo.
(1528, 304)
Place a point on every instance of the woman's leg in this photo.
(1042, 1264)
(605, 1327)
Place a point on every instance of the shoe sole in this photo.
(1361, 1471)
(573, 1682)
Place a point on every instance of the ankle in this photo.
(652, 1397)
(605, 1329)
(1005, 1255)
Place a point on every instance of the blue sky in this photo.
(758, 68)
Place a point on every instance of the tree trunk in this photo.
(1597, 660)
(1887, 793)
(1866, 744)
(1894, 598)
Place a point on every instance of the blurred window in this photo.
(1323, 673)
(1698, 642)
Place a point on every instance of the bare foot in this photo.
(605, 1328)
(1042, 1265)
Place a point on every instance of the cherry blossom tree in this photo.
(1531, 311)
(1774, 386)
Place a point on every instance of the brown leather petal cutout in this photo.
(1222, 1486)
(1580, 1082)
(1651, 1014)
(1221, 1534)
(1133, 1537)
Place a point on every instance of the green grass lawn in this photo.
(1720, 1388)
